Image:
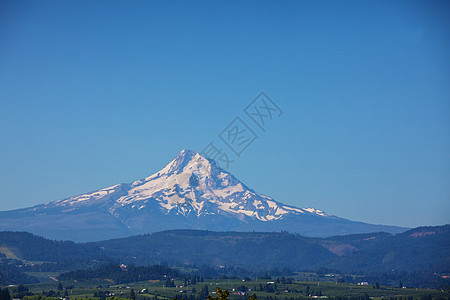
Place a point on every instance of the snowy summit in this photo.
(191, 192)
(189, 185)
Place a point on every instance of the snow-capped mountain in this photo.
(190, 185)
(190, 192)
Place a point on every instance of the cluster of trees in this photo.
(4, 294)
(20, 291)
(201, 295)
(283, 298)
(204, 292)
(220, 295)
(268, 288)
(423, 278)
(309, 292)
(102, 294)
(187, 280)
(11, 273)
(242, 288)
(360, 297)
(284, 280)
(169, 283)
(114, 272)
(273, 288)
(41, 297)
(424, 297)
(192, 279)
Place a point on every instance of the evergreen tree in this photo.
(21, 288)
(204, 292)
(169, 283)
(4, 294)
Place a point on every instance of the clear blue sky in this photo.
(94, 93)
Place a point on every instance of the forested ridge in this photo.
(414, 254)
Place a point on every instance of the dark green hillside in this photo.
(30, 247)
(249, 250)
(418, 256)
(419, 249)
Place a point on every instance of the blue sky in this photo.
(94, 93)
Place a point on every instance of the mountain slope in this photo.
(190, 192)
(422, 248)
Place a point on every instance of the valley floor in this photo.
(270, 289)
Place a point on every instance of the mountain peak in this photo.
(181, 160)
(187, 161)
(189, 192)
(186, 154)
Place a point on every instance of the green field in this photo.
(147, 290)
